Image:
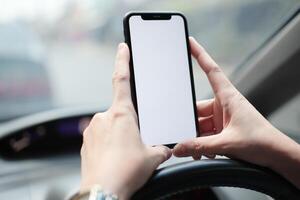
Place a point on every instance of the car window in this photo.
(60, 53)
(287, 118)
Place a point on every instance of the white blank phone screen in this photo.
(162, 80)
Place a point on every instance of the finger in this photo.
(211, 118)
(205, 107)
(82, 150)
(121, 75)
(159, 154)
(206, 125)
(210, 156)
(216, 77)
(197, 156)
(207, 145)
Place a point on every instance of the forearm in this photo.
(286, 160)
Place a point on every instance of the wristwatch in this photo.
(95, 193)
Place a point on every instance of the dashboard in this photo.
(39, 159)
(46, 139)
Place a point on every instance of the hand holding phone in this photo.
(162, 84)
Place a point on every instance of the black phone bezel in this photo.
(158, 16)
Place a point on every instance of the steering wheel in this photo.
(188, 176)
(177, 178)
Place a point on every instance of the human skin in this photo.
(113, 154)
(231, 126)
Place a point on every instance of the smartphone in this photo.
(162, 85)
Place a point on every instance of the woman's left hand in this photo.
(113, 154)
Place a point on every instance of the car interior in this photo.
(40, 145)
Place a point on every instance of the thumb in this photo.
(206, 145)
(158, 155)
(121, 75)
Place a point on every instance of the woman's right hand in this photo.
(113, 154)
(231, 126)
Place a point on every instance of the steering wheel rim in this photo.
(188, 176)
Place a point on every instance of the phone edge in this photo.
(127, 38)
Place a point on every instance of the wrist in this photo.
(96, 192)
(120, 191)
(285, 158)
(288, 156)
(284, 149)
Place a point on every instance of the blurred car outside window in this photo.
(60, 53)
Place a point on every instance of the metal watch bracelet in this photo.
(95, 193)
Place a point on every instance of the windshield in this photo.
(60, 53)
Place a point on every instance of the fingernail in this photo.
(121, 45)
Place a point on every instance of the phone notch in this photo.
(156, 16)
